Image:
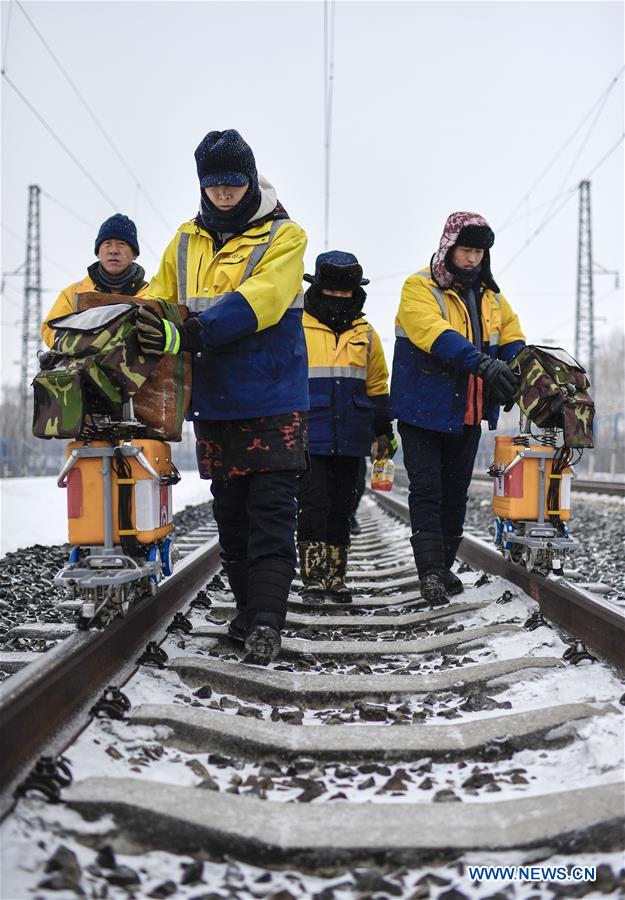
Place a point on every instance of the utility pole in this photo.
(31, 318)
(584, 312)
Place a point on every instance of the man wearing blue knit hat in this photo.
(115, 271)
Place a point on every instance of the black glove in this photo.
(385, 445)
(157, 336)
(500, 382)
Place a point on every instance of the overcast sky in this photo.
(438, 106)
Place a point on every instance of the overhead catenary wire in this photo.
(60, 142)
(49, 259)
(71, 155)
(579, 152)
(95, 119)
(72, 212)
(6, 36)
(568, 195)
(600, 101)
(328, 91)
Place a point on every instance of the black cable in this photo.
(64, 146)
(123, 470)
(88, 107)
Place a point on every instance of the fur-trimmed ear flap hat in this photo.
(336, 270)
(464, 229)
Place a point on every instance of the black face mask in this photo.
(465, 277)
(234, 220)
(338, 313)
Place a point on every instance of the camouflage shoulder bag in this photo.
(553, 392)
(93, 368)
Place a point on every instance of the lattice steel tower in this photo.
(584, 312)
(31, 318)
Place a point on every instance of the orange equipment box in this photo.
(515, 495)
(151, 501)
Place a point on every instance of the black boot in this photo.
(429, 555)
(237, 572)
(453, 585)
(354, 525)
(268, 592)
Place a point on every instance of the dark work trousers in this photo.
(326, 498)
(256, 515)
(360, 484)
(439, 466)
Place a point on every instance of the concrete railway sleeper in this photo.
(388, 748)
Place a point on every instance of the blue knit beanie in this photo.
(223, 157)
(118, 228)
(337, 270)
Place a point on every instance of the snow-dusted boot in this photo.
(335, 579)
(313, 569)
(262, 643)
(453, 585)
(237, 573)
(429, 555)
(268, 593)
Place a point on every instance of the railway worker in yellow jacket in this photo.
(455, 334)
(115, 271)
(238, 266)
(348, 419)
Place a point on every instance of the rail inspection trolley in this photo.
(119, 508)
(119, 408)
(532, 471)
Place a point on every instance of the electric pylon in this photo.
(584, 312)
(31, 318)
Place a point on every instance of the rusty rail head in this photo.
(582, 616)
(44, 706)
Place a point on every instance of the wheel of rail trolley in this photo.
(154, 555)
(169, 556)
(516, 554)
(123, 600)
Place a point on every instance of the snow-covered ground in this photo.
(33, 510)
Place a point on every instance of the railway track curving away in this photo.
(388, 748)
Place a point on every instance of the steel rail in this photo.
(46, 705)
(586, 485)
(590, 619)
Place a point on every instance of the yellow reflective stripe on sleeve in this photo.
(337, 372)
(181, 266)
(493, 339)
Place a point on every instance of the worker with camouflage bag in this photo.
(95, 366)
(553, 393)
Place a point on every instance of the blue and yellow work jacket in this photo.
(348, 386)
(435, 354)
(247, 296)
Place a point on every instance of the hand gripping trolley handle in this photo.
(119, 520)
